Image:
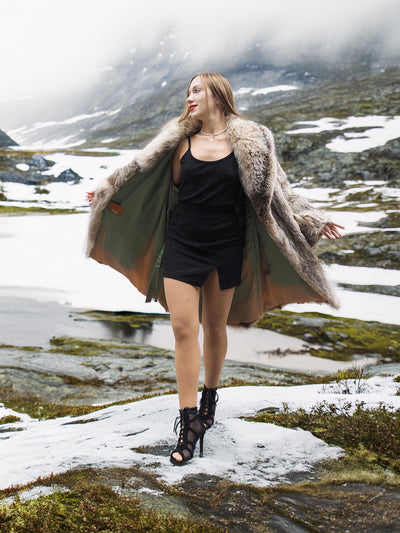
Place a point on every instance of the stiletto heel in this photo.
(208, 403)
(191, 430)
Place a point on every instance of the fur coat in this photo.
(131, 209)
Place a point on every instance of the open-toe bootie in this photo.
(208, 403)
(191, 430)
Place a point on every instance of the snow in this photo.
(53, 248)
(241, 451)
(33, 494)
(379, 130)
(22, 166)
(364, 275)
(351, 220)
(47, 252)
(359, 305)
(20, 135)
(265, 90)
(68, 195)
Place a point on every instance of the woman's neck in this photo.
(214, 124)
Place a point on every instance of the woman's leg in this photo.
(183, 305)
(216, 306)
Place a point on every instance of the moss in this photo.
(10, 419)
(88, 348)
(360, 465)
(319, 505)
(73, 380)
(89, 508)
(23, 348)
(39, 408)
(337, 338)
(16, 210)
(135, 320)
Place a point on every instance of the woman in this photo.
(204, 221)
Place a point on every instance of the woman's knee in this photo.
(185, 329)
(214, 332)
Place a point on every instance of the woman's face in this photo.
(197, 99)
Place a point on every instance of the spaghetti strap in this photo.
(189, 142)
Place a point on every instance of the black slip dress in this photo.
(205, 230)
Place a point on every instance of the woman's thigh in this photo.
(216, 303)
(183, 305)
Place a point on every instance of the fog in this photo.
(52, 47)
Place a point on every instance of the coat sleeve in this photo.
(310, 219)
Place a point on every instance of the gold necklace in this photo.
(212, 135)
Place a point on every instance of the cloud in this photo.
(56, 46)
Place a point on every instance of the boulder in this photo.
(39, 162)
(69, 175)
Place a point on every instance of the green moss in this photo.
(41, 190)
(91, 508)
(10, 419)
(23, 348)
(134, 320)
(88, 348)
(337, 338)
(38, 408)
(73, 380)
(16, 210)
(361, 465)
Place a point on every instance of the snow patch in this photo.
(265, 90)
(22, 166)
(381, 130)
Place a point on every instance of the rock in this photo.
(5, 140)
(330, 335)
(38, 161)
(340, 345)
(372, 252)
(311, 322)
(69, 175)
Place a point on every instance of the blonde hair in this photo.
(220, 88)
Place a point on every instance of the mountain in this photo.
(147, 87)
(5, 140)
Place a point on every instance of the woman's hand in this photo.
(330, 230)
(90, 196)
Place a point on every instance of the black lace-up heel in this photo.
(208, 403)
(192, 429)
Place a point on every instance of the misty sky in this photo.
(52, 47)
